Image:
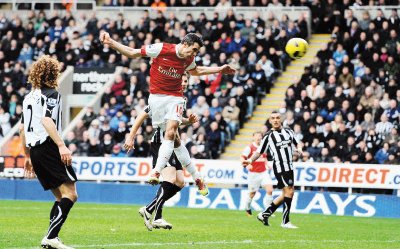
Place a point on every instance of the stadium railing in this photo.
(50, 4)
(358, 11)
(135, 13)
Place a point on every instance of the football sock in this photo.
(53, 209)
(167, 191)
(287, 202)
(248, 202)
(164, 154)
(268, 199)
(152, 205)
(60, 215)
(183, 155)
(271, 209)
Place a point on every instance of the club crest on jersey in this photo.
(51, 102)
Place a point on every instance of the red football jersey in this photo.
(259, 164)
(167, 68)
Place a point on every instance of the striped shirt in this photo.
(279, 144)
(40, 103)
(383, 128)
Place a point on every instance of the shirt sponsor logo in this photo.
(171, 72)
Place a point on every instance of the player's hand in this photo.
(227, 69)
(249, 167)
(28, 168)
(193, 118)
(299, 152)
(66, 155)
(105, 38)
(246, 162)
(129, 144)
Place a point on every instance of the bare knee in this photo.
(68, 190)
(180, 181)
(289, 192)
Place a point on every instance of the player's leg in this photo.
(165, 151)
(267, 184)
(183, 156)
(68, 198)
(169, 191)
(264, 216)
(58, 196)
(288, 197)
(248, 202)
(254, 183)
(52, 173)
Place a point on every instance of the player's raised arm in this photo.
(129, 142)
(125, 50)
(200, 70)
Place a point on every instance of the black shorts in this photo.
(284, 179)
(49, 168)
(173, 161)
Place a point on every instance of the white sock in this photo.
(184, 158)
(248, 202)
(164, 154)
(193, 171)
(183, 155)
(268, 200)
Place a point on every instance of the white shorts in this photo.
(258, 179)
(165, 107)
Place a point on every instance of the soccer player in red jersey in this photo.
(258, 174)
(169, 63)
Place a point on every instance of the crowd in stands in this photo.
(345, 107)
(254, 46)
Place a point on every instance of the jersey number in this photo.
(30, 129)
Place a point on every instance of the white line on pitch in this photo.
(223, 242)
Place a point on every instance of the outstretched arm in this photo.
(129, 142)
(225, 69)
(127, 51)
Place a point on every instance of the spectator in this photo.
(231, 115)
(117, 151)
(313, 90)
(382, 155)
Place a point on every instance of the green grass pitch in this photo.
(24, 223)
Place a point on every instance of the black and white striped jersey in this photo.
(279, 145)
(39, 103)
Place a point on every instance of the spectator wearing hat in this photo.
(117, 151)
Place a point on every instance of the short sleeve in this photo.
(264, 145)
(246, 152)
(152, 50)
(51, 103)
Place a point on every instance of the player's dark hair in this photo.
(274, 112)
(192, 38)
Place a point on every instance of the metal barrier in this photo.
(50, 4)
(358, 11)
(134, 14)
